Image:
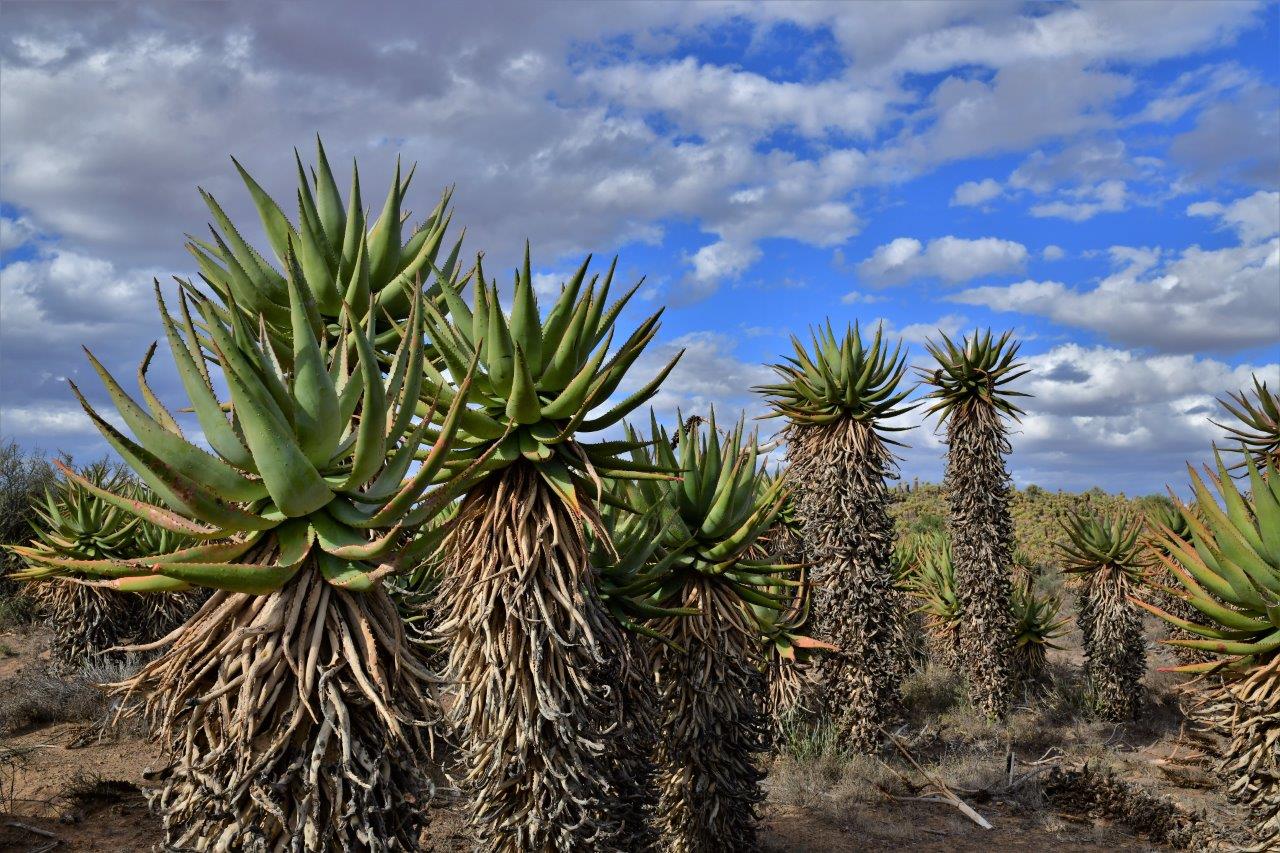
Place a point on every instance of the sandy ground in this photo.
(67, 787)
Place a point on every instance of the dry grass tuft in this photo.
(37, 696)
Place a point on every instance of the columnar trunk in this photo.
(713, 727)
(537, 664)
(85, 620)
(1114, 648)
(1030, 663)
(981, 527)
(839, 471)
(634, 767)
(296, 720)
(1247, 712)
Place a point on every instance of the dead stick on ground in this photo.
(35, 829)
(943, 790)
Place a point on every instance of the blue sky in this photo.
(1101, 177)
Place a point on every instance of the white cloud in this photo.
(720, 260)
(1099, 413)
(974, 193)
(52, 304)
(1106, 197)
(1053, 253)
(709, 98)
(15, 232)
(49, 420)
(952, 259)
(709, 374)
(1224, 299)
(856, 297)
(1090, 161)
(1254, 218)
(970, 34)
(920, 333)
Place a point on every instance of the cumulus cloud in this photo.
(1254, 218)
(1223, 300)
(709, 374)
(920, 333)
(1099, 409)
(952, 259)
(1089, 161)
(15, 232)
(860, 297)
(975, 193)
(708, 98)
(52, 304)
(1053, 253)
(1086, 202)
(1215, 149)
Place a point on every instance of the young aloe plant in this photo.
(709, 670)
(536, 658)
(1036, 624)
(932, 583)
(1104, 554)
(1160, 519)
(87, 620)
(291, 700)
(1229, 571)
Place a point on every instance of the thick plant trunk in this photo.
(634, 768)
(538, 665)
(839, 471)
(1247, 712)
(1115, 651)
(296, 722)
(981, 528)
(87, 621)
(713, 728)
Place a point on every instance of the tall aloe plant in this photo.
(838, 397)
(293, 706)
(971, 395)
(532, 650)
(1229, 572)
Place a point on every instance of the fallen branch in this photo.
(32, 829)
(946, 793)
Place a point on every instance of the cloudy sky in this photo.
(1101, 177)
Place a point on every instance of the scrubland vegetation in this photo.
(430, 580)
